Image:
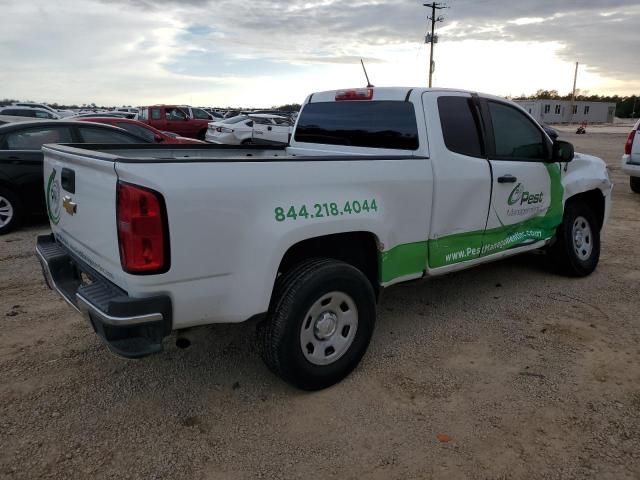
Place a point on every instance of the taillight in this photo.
(629, 145)
(143, 236)
(355, 94)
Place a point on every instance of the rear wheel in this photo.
(10, 211)
(634, 182)
(320, 323)
(577, 249)
(202, 135)
(246, 141)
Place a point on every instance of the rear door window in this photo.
(34, 138)
(372, 124)
(103, 135)
(155, 114)
(460, 127)
(137, 130)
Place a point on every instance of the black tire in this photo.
(565, 251)
(634, 183)
(202, 135)
(246, 141)
(10, 200)
(295, 293)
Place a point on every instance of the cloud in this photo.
(138, 51)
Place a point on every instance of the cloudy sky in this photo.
(269, 52)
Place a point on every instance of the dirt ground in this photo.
(505, 371)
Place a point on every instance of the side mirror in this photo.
(562, 151)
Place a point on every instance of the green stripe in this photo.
(406, 259)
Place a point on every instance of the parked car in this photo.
(379, 186)
(21, 178)
(175, 118)
(231, 131)
(102, 115)
(14, 119)
(143, 130)
(61, 113)
(269, 128)
(30, 113)
(631, 158)
(131, 110)
(253, 128)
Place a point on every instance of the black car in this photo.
(21, 174)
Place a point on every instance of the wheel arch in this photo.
(595, 199)
(357, 248)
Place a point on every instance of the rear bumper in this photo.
(130, 327)
(631, 169)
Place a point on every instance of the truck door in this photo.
(526, 201)
(462, 179)
(157, 118)
(178, 121)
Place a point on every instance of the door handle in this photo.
(508, 178)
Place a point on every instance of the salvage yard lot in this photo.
(503, 371)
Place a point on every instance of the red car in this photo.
(142, 130)
(183, 120)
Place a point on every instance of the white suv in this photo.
(631, 158)
(28, 113)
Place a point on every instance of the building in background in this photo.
(560, 111)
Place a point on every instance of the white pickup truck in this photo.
(631, 158)
(378, 186)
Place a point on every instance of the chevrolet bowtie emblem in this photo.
(70, 206)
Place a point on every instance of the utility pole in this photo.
(573, 93)
(432, 38)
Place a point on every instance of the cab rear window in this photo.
(372, 124)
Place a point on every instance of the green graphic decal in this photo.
(410, 258)
(53, 198)
(402, 260)
(471, 245)
(516, 195)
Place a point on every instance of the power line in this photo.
(433, 38)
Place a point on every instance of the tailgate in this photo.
(80, 192)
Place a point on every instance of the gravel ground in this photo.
(503, 371)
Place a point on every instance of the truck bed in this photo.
(152, 153)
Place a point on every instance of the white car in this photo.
(271, 129)
(29, 113)
(44, 106)
(378, 186)
(231, 131)
(631, 158)
(253, 128)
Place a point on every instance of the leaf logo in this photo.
(516, 195)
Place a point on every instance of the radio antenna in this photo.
(365, 74)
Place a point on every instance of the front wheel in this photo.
(10, 211)
(634, 182)
(577, 249)
(320, 323)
